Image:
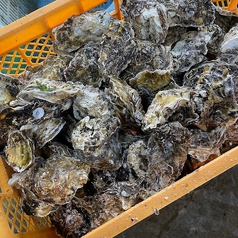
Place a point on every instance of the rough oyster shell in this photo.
(79, 30)
(51, 68)
(215, 98)
(229, 46)
(204, 144)
(164, 104)
(19, 151)
(151, 60)
(230, 41)
(52, 182)
(50, 91)
(9, 88)
(92, 102)
(44, 130)
(84, 214)
(149, 19)
(117, 48)
(216, 34)
(194, 13)
(97, 140)
(126, 101)
(158, 162)
(189, 50)
(84, 66)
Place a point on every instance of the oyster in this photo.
(151, 66)
(51, 68)
(204, 144)
(75, 126)
(229, 46)
(92, 102)
(216, 34)
(50, 91)
(84, 66)
(126, 101)
(148, 18)
(19, 151)
(52, 182)
(84, 214)
(167, 149)
(9, 88)
(164, 104)
(189, 50)
(187, 13)
(215, 86)
(79, 30)
(117, 48)
(44, 130)
(97, 140)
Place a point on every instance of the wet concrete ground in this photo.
(209, 211)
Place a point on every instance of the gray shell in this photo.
(84, 66)
(50, 183)
(79, 30)
(117, 48)
(149, 20)
(194, 13)
(96, 140)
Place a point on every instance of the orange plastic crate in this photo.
(229, 5)
(28, 42)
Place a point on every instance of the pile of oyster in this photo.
(122, 110)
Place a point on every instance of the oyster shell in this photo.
(117, 48)
(204, 144)
(97, 140)
(51, 68)
(9, 88)
(79, 30)
(151, 61)
(50, 91)
(52, 182)
(19, 151)
(157, 162)
(215, 98)
(187, 13)
(149, 19)
(92, 102)
(189, 50)
(164, 104)
(216, 34)
(44, 130)
(84, 214)
(229, 46)
(126, 100)
(84, 66)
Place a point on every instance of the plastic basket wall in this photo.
(230, 5)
